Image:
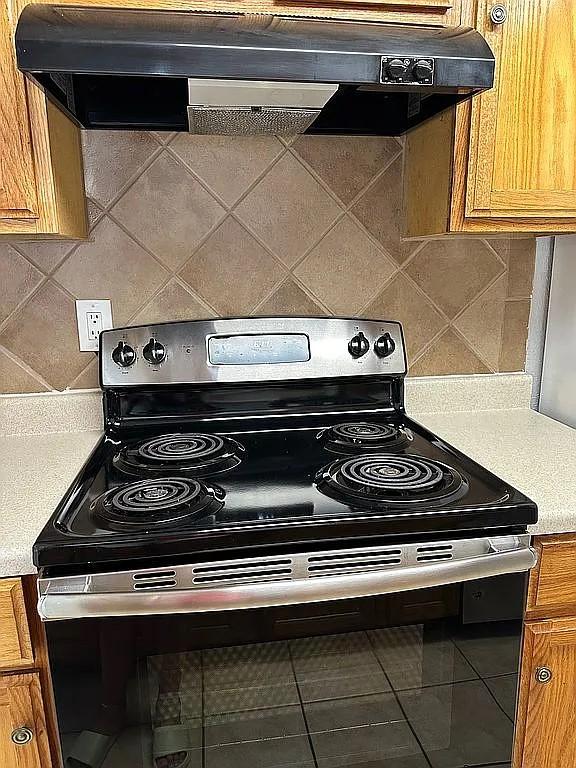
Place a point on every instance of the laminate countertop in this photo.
(526, 449)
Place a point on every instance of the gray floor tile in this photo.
(504, 691)
(349, 650)
(391, 746)
(292, 752)
(349, 713)
(247, 665)
(459, 725)
(413, 657)
(253, 726)
(490, 649)
(337, 684)
(240, 699)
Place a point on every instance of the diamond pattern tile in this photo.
(243, 157)
(232, 271)
(354, 264)
(288, 210)
(112, 266)
(168, 211)
(315, 229)
(23, 279)
(435, 266)
(348, 163)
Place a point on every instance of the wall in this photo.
(189, 227)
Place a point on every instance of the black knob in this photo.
(422, 70)
(154, 352)
(384, 346)
(124, 355)
(396, 69)
(358, 345)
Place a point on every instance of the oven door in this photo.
(410, 675)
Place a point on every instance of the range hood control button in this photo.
(124, 355)
(422, 70)
(396, 69)
(154, 352)
(384, 346)
(358, 345)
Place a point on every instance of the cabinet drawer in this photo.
(552, 589)
(15, 645)
(23, 737)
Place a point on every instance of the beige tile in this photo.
(501, 245)
(381, 211)
(94, 213)
(347, 163)
(481, 323)
(164, 137)
(14, 378)
(88, 379)
(290, 299)
(345, 268)
(228, 164)
(448, 355)
(521, 258)
(401, 300)
(453, 272)
(48, 315)
(168, 211)
(112, 159)
(46, 254)
(112, 266)
(232, 271)
(514, 335)
(17, 277)
(288, 209)
(173, 302)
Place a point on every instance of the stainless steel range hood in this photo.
(221, 73)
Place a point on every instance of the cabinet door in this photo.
(522, 159)
(547, 710)
(23, 739)
(15, 645)
(17, 177)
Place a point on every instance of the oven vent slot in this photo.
(352, 562)
(247, 572)
(434, 553)
(154, 580)
(154, 575)
(158, 584)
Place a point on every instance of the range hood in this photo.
(231, 74)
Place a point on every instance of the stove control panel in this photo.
(256, 349)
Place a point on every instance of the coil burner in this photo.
(390, 480)
(363, 437)
(152, 503)
(195, 453)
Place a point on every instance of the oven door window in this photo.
(423, 679)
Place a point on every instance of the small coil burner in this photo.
(390, 480)
(362, 437)
(150, 503)
(192, 452)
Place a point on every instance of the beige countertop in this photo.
(45, 440)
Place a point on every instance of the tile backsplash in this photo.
(188, 226)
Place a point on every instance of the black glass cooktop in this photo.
(284, 481)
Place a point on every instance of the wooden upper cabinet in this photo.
(523, 131)
(23, 736)
(547, 707)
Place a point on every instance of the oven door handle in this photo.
(79, 597)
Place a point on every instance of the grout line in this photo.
(25, 367)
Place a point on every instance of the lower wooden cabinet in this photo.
(23, 735)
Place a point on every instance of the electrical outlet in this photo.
(92, 316)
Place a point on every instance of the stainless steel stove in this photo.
(260, 481)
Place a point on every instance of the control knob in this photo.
(396, 69)
(422, 70)
(154, 352)
(124, 355)
(358, 345)
(384, 346)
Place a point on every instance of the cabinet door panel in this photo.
(17, 176)
(21, 706)
(547, 710)
(15, 646)
(523, 131)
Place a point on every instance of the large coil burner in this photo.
(363, 437)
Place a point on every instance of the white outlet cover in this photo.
(83, 307)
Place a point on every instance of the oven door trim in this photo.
(282, 580)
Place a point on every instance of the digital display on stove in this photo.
(259, 349)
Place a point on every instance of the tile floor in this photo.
(408, 697)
